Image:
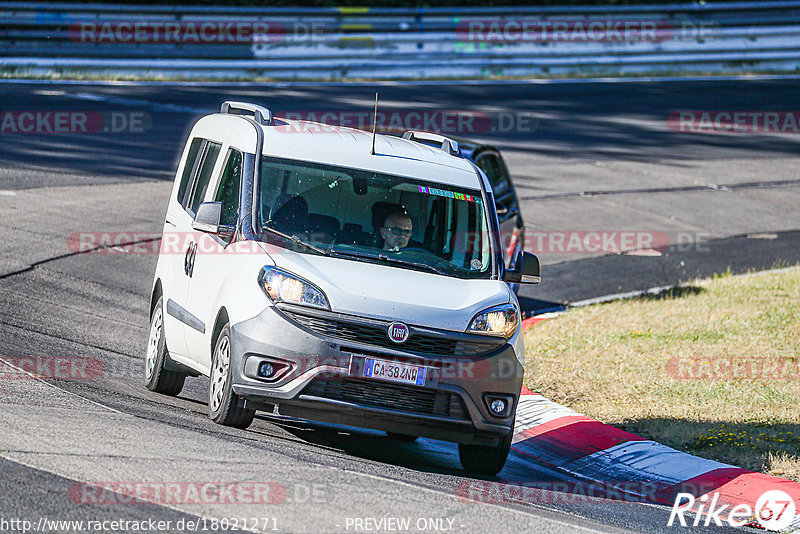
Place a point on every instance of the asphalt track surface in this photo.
(600, 158)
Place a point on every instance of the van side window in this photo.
(491, 165)
(203, 176)
(189, 167)
(228, 191)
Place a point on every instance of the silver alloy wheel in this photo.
(152, 344)
(219, 374)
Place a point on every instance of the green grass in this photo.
(630, 363)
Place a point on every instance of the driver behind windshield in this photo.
(396, 230)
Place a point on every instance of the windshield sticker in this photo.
(476, 264)
(448, 194)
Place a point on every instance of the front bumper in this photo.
(319, 376)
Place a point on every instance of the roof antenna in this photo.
(374, 121)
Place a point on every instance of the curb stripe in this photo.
(570, 439)
(645, 460)
(551, 434)
(534, 410)
(744, 486)
(701, 484)
(529, 322)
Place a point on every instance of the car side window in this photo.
(228, 191)
(189, 168)
(203, 176)
(491, 165)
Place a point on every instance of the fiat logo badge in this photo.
(398, 332)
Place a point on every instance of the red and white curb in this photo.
(556, 436)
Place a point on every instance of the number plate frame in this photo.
(385, 370)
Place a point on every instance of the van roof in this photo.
(350, 147)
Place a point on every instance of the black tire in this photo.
(156, 377)
(401, 437)
(485, 460)
(225, 406)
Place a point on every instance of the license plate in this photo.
(394, 371)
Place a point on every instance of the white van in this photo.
(337, 276)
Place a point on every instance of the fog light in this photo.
(266, 370)
(498, 407)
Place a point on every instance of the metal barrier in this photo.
(333, 43)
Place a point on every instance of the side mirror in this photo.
(526, 270)
(207, 219)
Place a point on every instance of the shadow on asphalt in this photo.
(672, 293)
(587, 120)
(426, 455)
(524, 480)
(614, 274)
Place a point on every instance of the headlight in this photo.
(283, 286)
(500, 320)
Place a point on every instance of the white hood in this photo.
(396, 294)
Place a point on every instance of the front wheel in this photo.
(225, 406)
(483, 459)
(156, 377)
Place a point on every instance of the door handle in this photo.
(188, 259)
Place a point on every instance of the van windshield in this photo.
(367, 216)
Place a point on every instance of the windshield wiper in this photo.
(297, 240)
(390, 259)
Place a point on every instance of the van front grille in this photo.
(417, 343)
(375, 393)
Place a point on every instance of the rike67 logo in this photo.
(774, 510)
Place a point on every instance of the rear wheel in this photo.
(156, 377)
(485, 460)
(224, 406)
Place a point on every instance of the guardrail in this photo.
(312, 43)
